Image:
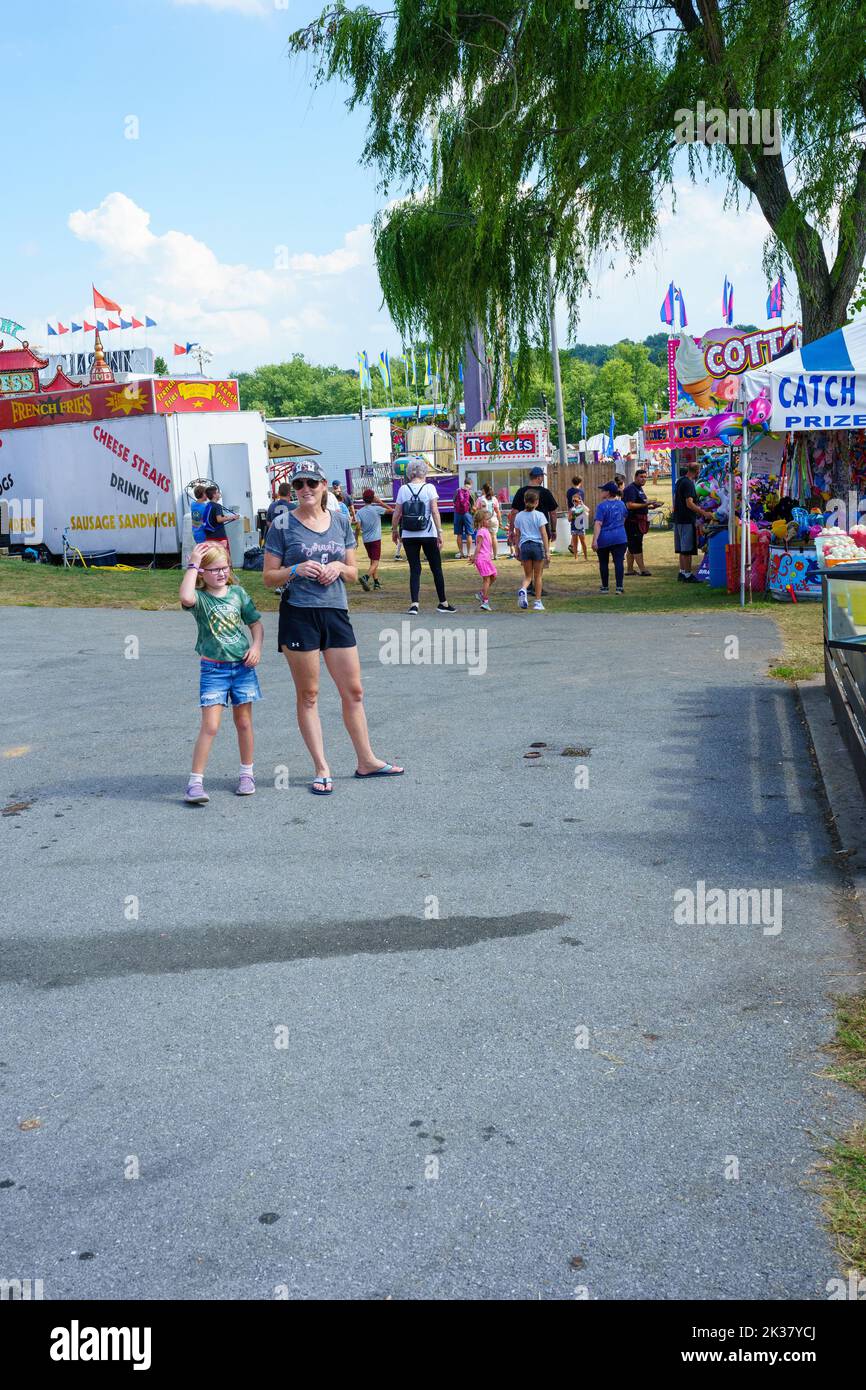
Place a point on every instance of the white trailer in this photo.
(120, 484)
(345, 443)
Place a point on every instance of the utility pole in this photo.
(203, 357)
(557, 377)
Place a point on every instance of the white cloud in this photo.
(250, 7)
(318, 305)
(696, 247)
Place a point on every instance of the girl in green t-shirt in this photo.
(222, 611)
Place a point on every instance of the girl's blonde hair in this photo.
(480, 517)
(214, 553)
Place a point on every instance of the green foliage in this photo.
(299, 387)
(529, 133)
(160, 366)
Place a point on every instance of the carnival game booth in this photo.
(109, 464)
(818, 390)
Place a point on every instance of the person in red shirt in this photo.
(463, 502)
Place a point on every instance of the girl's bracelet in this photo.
(194, 567)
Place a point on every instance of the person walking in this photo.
(530, 527)
(228, 658)
(463, 521)
(485, 531)
(638, 507)
(215, 519)
(197, 510)
(547, 506)
(370, 521)
(417, 523)
(281, 503)
(309, 553)
(609, 536)
(687, 514)
(488, 500)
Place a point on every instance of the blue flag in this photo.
(75, 328)
(150, 323)
(610, 448)
(52, 332)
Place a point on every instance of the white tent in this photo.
(821, 387)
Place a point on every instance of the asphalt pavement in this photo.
(433, 1037)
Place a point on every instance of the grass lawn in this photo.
(573, 588)
(845, 1189)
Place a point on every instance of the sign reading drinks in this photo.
(10, 329)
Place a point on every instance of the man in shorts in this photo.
(687, 513)
(370, 521)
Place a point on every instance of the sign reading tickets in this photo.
(180, 395)
(526, 446)
(77, 407)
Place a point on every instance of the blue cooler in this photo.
(718, 562)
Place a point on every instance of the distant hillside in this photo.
(657, 343)
(598, 353)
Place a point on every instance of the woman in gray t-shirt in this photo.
(310, 553)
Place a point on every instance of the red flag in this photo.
(137, 323)
(100, 302)
(113, 325)
(89, 327)
(179, 351)
(60, 328)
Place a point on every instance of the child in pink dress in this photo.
(485, 523)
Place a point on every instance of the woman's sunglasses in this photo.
(306, 482)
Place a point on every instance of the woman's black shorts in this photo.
(314, 629)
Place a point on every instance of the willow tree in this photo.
(513, 136)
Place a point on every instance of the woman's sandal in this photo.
(389, 770)
(322, 786)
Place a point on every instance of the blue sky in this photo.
(239, 216)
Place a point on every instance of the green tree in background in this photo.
(160, 366)
(299, 387)
(532, 132)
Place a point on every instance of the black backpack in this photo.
(414, 516)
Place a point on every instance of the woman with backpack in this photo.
(417, 523)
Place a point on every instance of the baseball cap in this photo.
(306, 468)
(609, 487)
(536, 472)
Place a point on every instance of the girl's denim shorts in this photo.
(228, 683)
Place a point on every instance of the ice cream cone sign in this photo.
(691, 371)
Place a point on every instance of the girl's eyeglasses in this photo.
(306, 482)
(217, 569)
